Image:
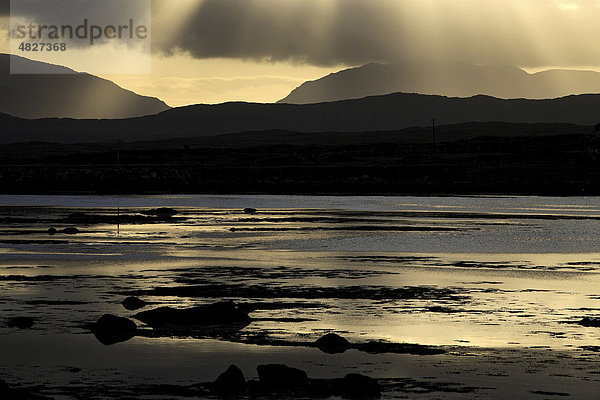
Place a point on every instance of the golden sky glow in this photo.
(212, 51)
(181, 80)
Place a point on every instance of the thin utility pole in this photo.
(118, 152)
(118, 167)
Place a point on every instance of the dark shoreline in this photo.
(559, 165)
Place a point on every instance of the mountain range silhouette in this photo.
(371, 114)
(449, 79)
(63, 93)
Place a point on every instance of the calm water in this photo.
(511, 273)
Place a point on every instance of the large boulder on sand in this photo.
(332, 344)
(281, 376)
(110, 329)
(230, 381)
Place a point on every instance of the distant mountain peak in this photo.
(64, 93)
(25, 66)
(455, 79)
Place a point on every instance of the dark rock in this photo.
(213, 319)
(133, 303)
(111, 329)
(231, 381)
(278, 381)
(70, 231)
(250, 210)
(221, 312)
(20, 322)
(357, 386)
(548, 394)
(52, 231)
(160, 212)
(376, 347)
(281, 376)
(332, 344)
(590, 322)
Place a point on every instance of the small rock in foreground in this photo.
(111, 329)
(70, 231)
(20, 322)
(250, 210)
(332, 344)
(133, 303)
(282, 376)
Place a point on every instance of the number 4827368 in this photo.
(24, 46)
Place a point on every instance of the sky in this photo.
(211, 51)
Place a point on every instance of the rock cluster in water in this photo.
(279, 380)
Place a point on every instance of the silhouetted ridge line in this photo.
(391, 112)
(62, 92)
(449, 79)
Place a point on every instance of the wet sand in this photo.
(504, 324)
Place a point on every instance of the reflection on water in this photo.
(511, 273)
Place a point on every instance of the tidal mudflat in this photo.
(437, 297)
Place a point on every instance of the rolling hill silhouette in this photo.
(450, 79)
(63, 93)
(371, 114)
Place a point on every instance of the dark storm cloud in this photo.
(313, 31)
(327, 32)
